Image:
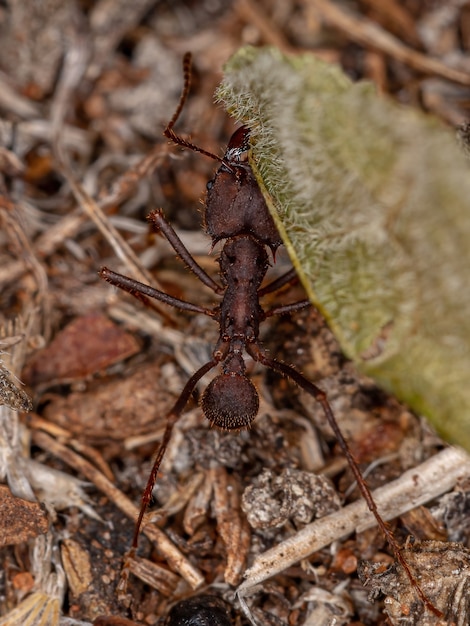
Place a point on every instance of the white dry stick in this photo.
(429, 480)
(75, 64)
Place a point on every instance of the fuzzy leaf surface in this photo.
(373, 202)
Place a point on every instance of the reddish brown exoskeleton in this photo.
(235, 211)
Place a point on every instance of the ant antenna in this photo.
(170, 133)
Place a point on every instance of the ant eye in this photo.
(209, 185)
(230, 402)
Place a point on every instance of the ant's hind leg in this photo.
(172, 417)
(320, 396)
(159, 224)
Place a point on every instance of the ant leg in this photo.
(320, 396)
(159, 223)
(287, 308)
(172, 418)
(137, 289)
(289, 278)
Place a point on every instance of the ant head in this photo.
(238, 147)
(230, 402)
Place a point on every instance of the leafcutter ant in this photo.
(235, 211)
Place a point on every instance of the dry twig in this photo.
(416, 486)
(175, 558)
(367, 33)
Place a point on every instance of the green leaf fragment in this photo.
(373, 201)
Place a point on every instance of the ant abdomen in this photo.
(230, 402)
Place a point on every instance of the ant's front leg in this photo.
(159, 224)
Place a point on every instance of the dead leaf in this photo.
(85, 346)
(20, 520)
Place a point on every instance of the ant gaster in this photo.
(235, 211)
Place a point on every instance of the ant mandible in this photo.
(235, 211)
